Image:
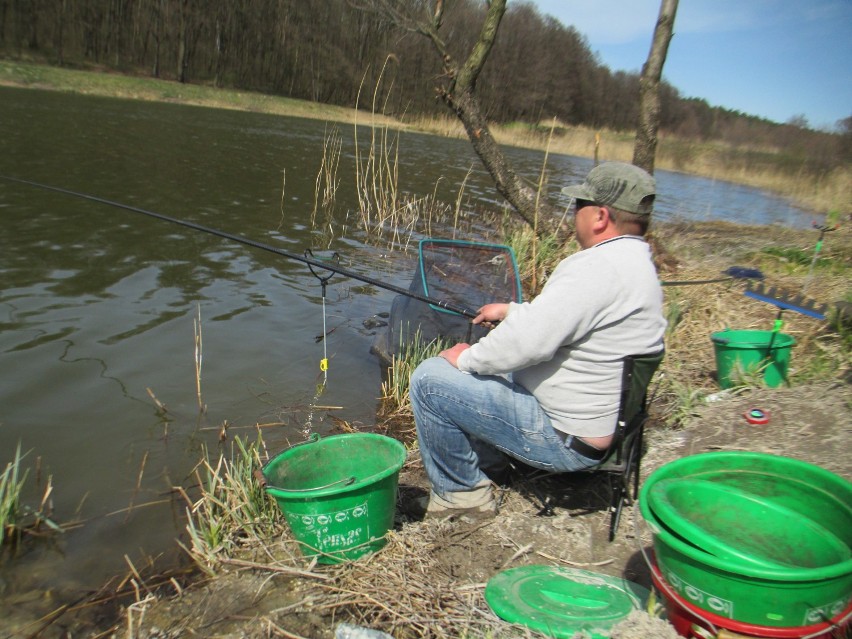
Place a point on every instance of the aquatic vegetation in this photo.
(395, 387)
(11, 485)
(17, 517)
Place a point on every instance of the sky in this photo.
(777, 59)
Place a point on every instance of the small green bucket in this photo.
(338, 493)
(749, 352)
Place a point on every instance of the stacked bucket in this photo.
(755, 544)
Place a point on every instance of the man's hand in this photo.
(490, 314)
(452, 354)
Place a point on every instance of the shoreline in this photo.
(705, 160)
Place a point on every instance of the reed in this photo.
(327, 183)
(376, 168)
(386, 215)
(822, 190)
(537, 256)
(16, 517)
(396, 385)
(198, 353)
(232, 506)
(11, 485)
(769, 168)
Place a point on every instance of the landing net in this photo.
(464, 274)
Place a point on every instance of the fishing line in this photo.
(323, 281)
(253, 243)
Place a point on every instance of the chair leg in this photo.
(617, 503)
(637, 451)
(621, 485)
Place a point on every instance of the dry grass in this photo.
(823, 192)
(427, 582)
(406, 591)
(822, 350)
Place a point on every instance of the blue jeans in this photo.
(462, 419)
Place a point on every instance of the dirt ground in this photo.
(429, 580)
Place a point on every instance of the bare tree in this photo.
(645, 147)
(183, 48)
(458, 92)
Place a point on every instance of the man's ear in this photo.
(603, 218)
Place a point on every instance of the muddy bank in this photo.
(429, 580)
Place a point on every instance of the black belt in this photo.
(587, 450)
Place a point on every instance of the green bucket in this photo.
(337, 493)
(749, 352)
(755, 538)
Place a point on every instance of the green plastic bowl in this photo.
(765, 540)
(742, 527)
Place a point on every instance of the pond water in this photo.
(98, 305)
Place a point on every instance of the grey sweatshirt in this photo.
(567, 345)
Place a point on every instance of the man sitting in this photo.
(543, 387)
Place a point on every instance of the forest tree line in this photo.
(327, 51)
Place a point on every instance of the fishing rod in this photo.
(731, 274)
(310, 261)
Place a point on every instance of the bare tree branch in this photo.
(645, 147)
(459, 94)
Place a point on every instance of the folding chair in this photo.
(621, 464)
(623, 459)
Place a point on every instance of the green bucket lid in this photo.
(561, 602)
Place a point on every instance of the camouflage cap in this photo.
(619, 185)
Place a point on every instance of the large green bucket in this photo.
(756, 538)
(750, 352)
(338, 493)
